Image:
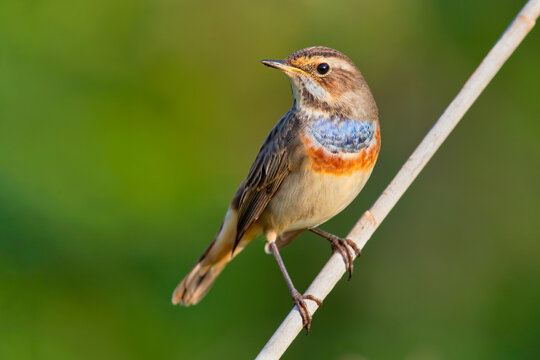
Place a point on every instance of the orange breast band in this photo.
(322, 160)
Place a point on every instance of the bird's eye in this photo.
(323, 68)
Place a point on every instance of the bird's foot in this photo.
(345, 246)
(299, 301)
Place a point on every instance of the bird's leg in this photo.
(295, 294)
(341, 245)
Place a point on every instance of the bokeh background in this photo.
(126, 126)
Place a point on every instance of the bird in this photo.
(313, 164)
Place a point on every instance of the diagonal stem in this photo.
(371, 219)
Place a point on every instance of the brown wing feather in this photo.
(270, 169)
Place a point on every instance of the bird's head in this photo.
(326, 80)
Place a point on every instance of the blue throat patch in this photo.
(342, 135)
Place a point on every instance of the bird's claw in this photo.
(344, 247)
(299, 301)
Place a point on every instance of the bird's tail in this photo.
(220, 251)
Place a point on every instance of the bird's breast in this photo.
(342, 147)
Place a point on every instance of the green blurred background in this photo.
(126, 126)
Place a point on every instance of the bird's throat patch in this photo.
(344, 149)
(342, 135)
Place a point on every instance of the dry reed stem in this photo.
(371, 219)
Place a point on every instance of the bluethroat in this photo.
(312, 165)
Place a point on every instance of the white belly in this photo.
(307, 199)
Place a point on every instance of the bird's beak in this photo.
(280, 64)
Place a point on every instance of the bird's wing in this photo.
(270, 169)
